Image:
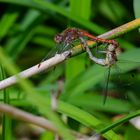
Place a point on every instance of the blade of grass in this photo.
(36, 99)
(7, 21)
(83, 117)
(86, 119)
(45, 6)
(94, 102)
(136, 4)
(6, 123)
(17, 43)
(82, 21)
(113, 10)
(81, 9)
(120, 121)
(95, 74)
(44, 105)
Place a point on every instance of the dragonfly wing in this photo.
(106, 85)
(50, 54)
(127, 61)
(58, 49)
(64, 47)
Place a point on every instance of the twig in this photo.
(58, 58)
(74, 51)
(27, 117)
(121, 30)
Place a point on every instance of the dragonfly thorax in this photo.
(111, 56)
(68, 36)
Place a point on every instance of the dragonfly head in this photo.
(111, 48)
(111, 56)
(58, 38)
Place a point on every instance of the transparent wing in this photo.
(127, 61)
(106, 85)
(58, 49)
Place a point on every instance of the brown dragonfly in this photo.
(68, 36)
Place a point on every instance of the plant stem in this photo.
(6, 123)
(117, 32)
(74, 51)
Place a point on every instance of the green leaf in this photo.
(76, 65)
(35, 98)
(17, 43)
(113, 10)
(95, 102)
(136, 9)
(45, 6)
(7, 21)
(81, 8)
(86, 119)
(120, 121)
(6, 120)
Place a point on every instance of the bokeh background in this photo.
(27, 30)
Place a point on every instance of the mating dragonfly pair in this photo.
(70, 35)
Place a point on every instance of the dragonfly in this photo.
(109, 60)
(70, 35)
(66, 38)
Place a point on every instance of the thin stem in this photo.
(35, 69)
(6, 120)
(117, 32)
(26, 117)
(30, 118)
(74, 51)
(120, 121)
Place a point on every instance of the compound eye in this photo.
(58, 38)
(115, 43)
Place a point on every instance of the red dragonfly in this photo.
(68, 36)
(71, 34)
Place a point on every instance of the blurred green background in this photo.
(27, 29)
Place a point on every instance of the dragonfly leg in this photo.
(102, 51)
(98, 51)
(93, 58)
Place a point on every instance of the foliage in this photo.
(27, 29)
